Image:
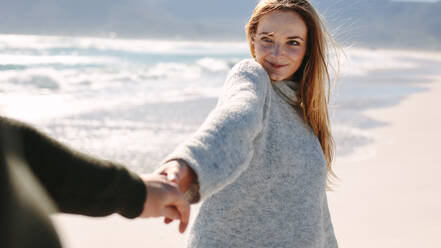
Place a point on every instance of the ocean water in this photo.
(133, 101)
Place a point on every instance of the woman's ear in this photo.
(252, 48)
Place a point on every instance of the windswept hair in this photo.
(313, 74)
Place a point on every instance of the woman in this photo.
(261, 159)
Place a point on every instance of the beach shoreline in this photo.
(391, 197)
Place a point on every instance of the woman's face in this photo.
(280, 43)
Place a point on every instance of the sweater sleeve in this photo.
(222, 147)
(76, 182)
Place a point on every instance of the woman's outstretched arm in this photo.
(223, 146)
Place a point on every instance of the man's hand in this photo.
(165, 199)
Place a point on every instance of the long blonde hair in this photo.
(313, 75)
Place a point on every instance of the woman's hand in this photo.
(177, 171)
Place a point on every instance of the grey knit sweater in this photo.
(261, 169)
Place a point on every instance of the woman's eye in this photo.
(266, 39)
(293, 43)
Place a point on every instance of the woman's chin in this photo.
(276, 77)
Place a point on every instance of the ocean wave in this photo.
(47, 60)
(213, 64)
(14, 42)
(361, 62)
(349, 137)
(40, 81)
(174, 70)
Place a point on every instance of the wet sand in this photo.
(392, 197)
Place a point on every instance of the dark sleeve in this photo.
(79, 183)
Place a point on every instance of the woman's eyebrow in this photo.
(295, 37)
(266, 33)
(289, 38)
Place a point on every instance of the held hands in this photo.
(178, 172)
(165, 199)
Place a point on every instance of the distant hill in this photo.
(373, 23)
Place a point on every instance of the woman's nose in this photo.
(276, 50)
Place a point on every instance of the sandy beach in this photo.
(392, 197)
(116, 232)
(388, 198)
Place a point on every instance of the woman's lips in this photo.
(275, 65)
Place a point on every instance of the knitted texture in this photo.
(260, 168)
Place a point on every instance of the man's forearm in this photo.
(79, 183)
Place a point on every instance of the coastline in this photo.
(392, 196)
(388, 198)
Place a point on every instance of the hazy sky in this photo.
(431, 1)
(365, 21)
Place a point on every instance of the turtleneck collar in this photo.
(287, 90)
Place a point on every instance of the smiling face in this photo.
(280, 43)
